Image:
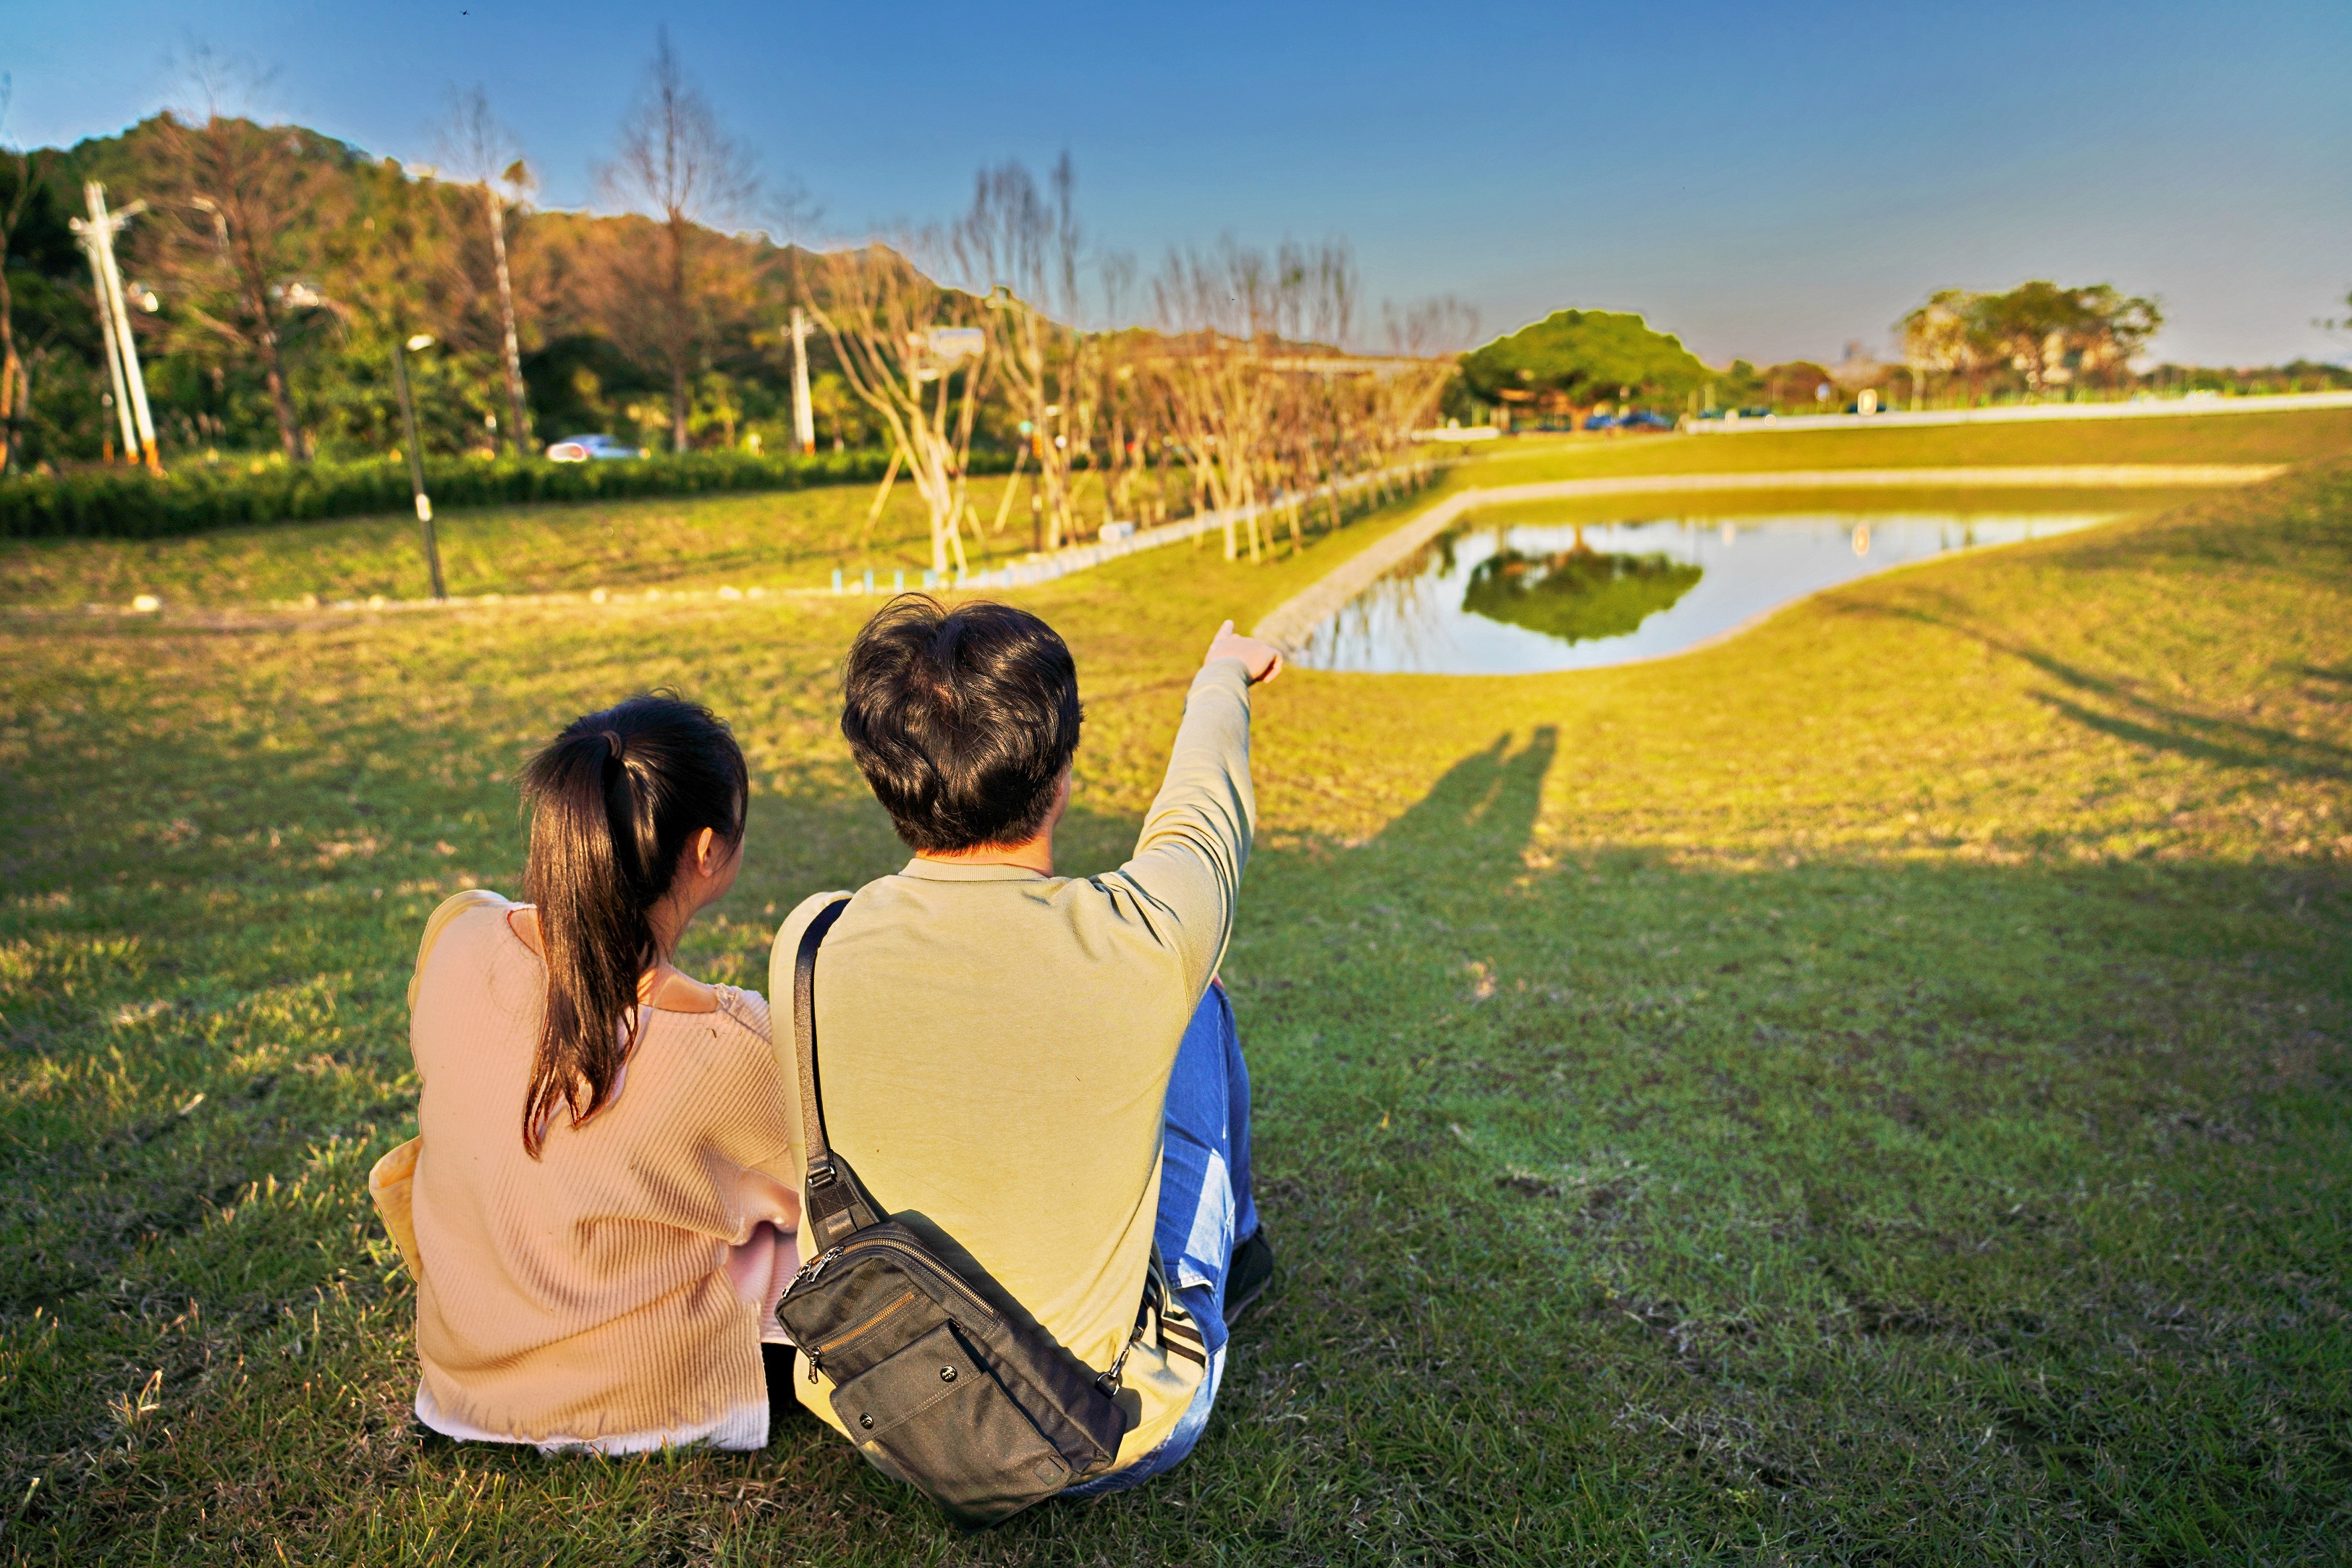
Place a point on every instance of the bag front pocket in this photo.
(934, 1416)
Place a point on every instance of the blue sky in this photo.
(1769, 181)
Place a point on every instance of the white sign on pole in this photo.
(948, 344)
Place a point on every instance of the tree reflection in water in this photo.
(1510, 598)
(1577, 594)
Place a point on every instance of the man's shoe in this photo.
(1248, 1275)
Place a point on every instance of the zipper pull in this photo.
(811, 1270)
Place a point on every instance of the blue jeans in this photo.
(1204, 1208)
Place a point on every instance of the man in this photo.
(1040, 1066)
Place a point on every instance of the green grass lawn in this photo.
(777, 538)
(1870, 1091)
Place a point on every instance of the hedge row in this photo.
(125, 502)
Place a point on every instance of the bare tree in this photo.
(1439, 325)
(247, 206)
(1020, 249)
(1125, 405)
(1426, 340)
(1320, 421)
(483, 153)
(676, 164)
(1214, 389)
(907, 351)
(1254, 381)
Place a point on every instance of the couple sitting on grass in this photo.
(604, 1201)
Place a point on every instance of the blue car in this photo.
(583, 448)
(1643, 419)
(1598, 422)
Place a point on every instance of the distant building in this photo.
(1858, 368)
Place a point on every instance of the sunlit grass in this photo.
(789, 538)
(1871, 1090)
(2290, 436)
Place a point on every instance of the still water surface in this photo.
(1518, 599)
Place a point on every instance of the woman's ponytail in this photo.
(616, 799)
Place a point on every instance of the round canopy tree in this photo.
(1585, 356)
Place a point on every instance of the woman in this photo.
(602, 1205)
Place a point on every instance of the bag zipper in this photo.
(819, 1352)
(869, 1243)
(810, 1270)
(881, 1244)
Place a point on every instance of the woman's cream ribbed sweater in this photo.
(612, 1293)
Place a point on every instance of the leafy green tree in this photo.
(1795, 383)
(2051, 335)
(1586, 355)
(2046, 335)
(1941, 338)
(36, 264)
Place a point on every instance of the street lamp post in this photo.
(400, 354)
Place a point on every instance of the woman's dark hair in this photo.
(961, 720)
(613, 802)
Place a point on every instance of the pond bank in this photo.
(1290, 623)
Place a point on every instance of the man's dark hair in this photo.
(961, 720)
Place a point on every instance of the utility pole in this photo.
(121, 400)
(416, 457)
(803, 417)
(97, 233)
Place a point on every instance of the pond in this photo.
(1515, 598)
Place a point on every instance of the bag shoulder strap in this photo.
(835, 1203)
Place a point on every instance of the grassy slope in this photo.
(785, 537)
(796, 538)
(2286, 437)
(1871, 1088)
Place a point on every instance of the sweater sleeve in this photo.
(451, 908)
(1196, 838)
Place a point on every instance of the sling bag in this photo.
(939, 1378)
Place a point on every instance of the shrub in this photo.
(125, 502)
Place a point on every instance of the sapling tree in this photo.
(914, 353)
(1020, 250)
(1214, 389)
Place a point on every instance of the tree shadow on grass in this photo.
(2217, 738)
(2340, 676)
(2201, 737)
